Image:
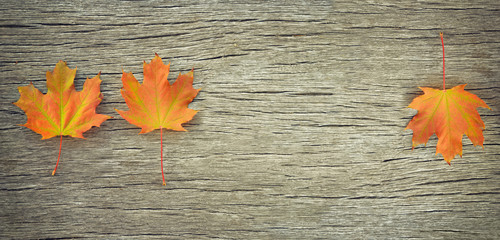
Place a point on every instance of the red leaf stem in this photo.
(161, 156)
(442, 44)
(59, 156)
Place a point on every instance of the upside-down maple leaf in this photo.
(449, 114)
(157, 104)
(62, 111)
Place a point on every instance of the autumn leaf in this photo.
(62, 111)
(155, 104)
(449, 114)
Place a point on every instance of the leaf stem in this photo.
(161, 155)
(442, 44)
(59, 156)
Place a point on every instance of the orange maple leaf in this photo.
(157, 104)
(450, 114)
(62, 111)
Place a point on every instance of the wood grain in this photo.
(300, 133)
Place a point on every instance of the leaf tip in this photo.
(157, 57)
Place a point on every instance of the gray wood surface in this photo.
(300, 133)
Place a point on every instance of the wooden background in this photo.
(300, 133)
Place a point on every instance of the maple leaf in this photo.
(62, 111)
(157, 104)
(449, 114)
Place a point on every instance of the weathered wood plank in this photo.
(300, 132)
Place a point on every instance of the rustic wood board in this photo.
(300, 132)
